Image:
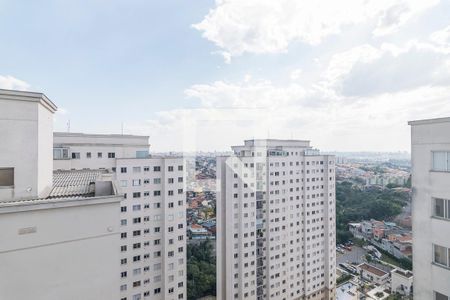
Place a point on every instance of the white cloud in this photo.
(368, 70)
(442, 37)
(269, 26)
(232, 112)
(11, 83)
(295, 75)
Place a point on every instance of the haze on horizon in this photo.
(207, 74)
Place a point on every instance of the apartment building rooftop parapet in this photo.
(429, 121)
(69, 188)
(14, 95)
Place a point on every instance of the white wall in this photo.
(427, 184)
(65, 250)
(25, 131)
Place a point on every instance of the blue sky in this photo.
(204, 74)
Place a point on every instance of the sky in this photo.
(204, 75)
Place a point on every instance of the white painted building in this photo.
(372, 274)
(153, 221)
(58, 230)
(401, 281)
(430, 141)
(276, 222)
(347, 291)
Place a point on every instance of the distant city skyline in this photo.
(204, 75)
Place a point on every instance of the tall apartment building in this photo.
(276, 222)
(152, 222)
(58, 229)
(430, 148)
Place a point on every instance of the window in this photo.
(441, 255)
(88, 155)
(156, 169)
(441, 208)
(136, 169)
(111, 155)
(123, 183)
(441, 161)
(6, 176)
(123, 170)
(60, 153)
(156, 193)
(136, 194)
(141, 154)
(170, 180)
(75, 155)
(136, 182)
(99, 154)
(180, 168)
(157, 180)
(439, 296)
(170, 169)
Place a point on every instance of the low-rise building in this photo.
(401, 281)
(347, 291)
(198, 232)
(372, 273)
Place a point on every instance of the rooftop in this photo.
(429, 121)
(79, 183)
(407, 274)
(277, 142)
(372, 269)
(28, 96)
(72, 185)
(106, 135)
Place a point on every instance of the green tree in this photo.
(201, 270)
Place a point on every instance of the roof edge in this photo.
(28, 96)
(429, 121)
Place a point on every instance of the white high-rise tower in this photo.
(430, 158)
(276, 222)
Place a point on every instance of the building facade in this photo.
(276, 222)
(152, 214)
(402, 281)
(430, 149)
(58, 230)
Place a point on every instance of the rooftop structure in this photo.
(59, 233)
(26, 125)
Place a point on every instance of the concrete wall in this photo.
(428, 137)
(26, 141)
(45, 152)
(124, 146)
(65, 250)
